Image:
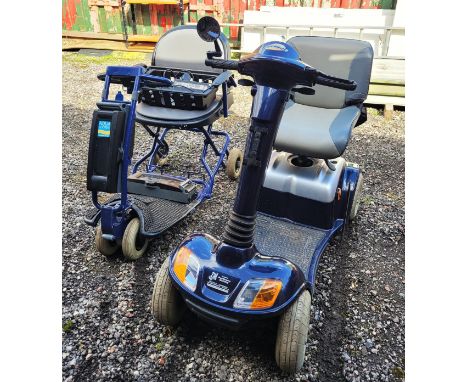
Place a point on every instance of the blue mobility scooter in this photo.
(178, 91)
(295, 193)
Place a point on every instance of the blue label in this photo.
(104, 129)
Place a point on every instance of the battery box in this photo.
(105, 150)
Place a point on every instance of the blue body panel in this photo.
(208, 251)
(276, 68)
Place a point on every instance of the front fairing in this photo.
(276, 64)
(219, 282)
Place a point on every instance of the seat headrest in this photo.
(340, 57)
(182, 48)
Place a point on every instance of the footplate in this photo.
(156, 215)
(294, 242)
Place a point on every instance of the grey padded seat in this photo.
(320, 125)
(168, 114)
(182, 48)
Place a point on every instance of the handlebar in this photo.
(334, 82)
(222, 64)
(316, 76)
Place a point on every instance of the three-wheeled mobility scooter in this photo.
(290, 201)
(178, 91)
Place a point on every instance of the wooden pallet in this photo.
(387, 86)
(81, 43)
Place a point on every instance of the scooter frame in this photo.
(114, 215)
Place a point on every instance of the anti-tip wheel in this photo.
(161, 161)
(357, 199)
(133, 245)
(234, 163)
(105, 247)
(167, 305)
(291, 337)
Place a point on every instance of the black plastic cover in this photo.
(105, 150)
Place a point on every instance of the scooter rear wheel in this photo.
(234, 163)
(291, 337)
(357, 199)
(167, 305)
(105, 247)
(133, 246)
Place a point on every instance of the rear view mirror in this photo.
(208, 29)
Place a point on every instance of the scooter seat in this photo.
(170, 117)
(320, 125)
(315, 131)
(167, 113)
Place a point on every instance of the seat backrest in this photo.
(339, 57)
(182, 48)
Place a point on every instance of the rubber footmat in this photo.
(156, 215)
(294, 242)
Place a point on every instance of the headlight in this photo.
(258, 294)
(186, 268)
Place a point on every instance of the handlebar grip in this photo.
(222, 64)
(335, 82)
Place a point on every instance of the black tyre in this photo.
(357, 199)
(291, 337)
(167, 305)
(133, 245)
(234, 163)
(106, 247)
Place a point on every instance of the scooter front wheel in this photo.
(105, 247)
(133, 245)
(291, 337)
(167, 305)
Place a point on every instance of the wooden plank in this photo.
(75, 43)
(369, 4)
(102, 19)
(350, 4)
(388, 111)
(145, 11)
(154, 18)
(102, 3)
(94, 35)
(387, 90)
(143, 38)
(384, 100)
(156, 2)
(390, 71)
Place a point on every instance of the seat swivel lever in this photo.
(330, 165)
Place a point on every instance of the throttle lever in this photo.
(245, 82)
(304, 90)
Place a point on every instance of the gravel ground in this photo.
(357, 322)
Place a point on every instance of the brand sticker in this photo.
(278, 47)
(220, 282)
(104, 129)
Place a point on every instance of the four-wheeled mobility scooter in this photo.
(178, 91)
(295, 192)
